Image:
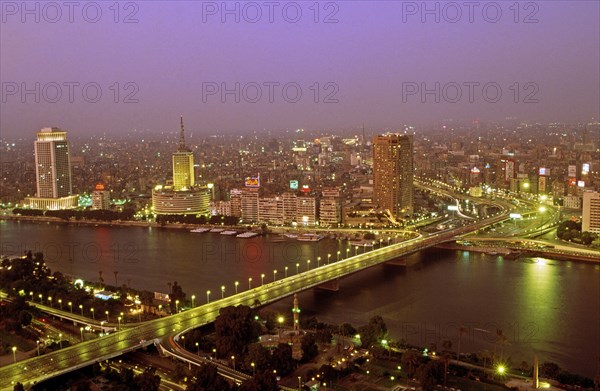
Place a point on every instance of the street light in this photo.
(297, 265)
(119, 319)
(286, 269)
(318, 261)
(176, 306)
(81, 308)
(308, 264)
(233, 359)
(60, 303)
(249, 283)
(38, 346)
(40, 296)
(347, 252)
(262, 279)
(236, 286)
(60, 339)
(50, 300)
(338, 255)
(107, 319)
(274, 274)
(280, 320)
(207, 297)
(14, 350)
(253, 368)
(193, 300)
(222, 291)
(328, 258)
(81, 332)
(70, 306)
(93, 316)
(198, 348)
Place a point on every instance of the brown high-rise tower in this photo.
(393, 172)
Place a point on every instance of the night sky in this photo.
(362, 62)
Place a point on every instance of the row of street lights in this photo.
(286, 268)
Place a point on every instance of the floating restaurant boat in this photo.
(230, 233)
(246, 235)
(200, 230)
(310, 237)
(217, 230)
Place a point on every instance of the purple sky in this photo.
(369, 53)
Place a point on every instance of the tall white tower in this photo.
(52, 163)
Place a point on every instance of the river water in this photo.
(541, 306)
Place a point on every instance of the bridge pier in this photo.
(331, 286)
(397, 262)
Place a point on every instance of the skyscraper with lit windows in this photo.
(54, 189)
(393, 172)
(183, 164)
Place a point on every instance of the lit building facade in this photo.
(393, 171)
(100, 197)
(249, 204)
(591, 212)
(53, 171)
(166, 200)
(183, 197)
(306, 211)
(183, 164)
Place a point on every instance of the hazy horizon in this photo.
(367, 61)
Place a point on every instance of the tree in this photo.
(410, 359)
(148, 380)
(25, 318)
(550, 370)
(430, 374)
(282, 359)
(258, 355)
(347, 329)
(309, 347)
(373, 332)
(177, 293)
(324, 336)
(263, 381)
(207, 379)
(18, 387)
(235, 328)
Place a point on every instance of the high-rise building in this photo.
(52, 163)
(270, 210)
(330, 208)
(393, 171)
(100, 197)
(183, 197)
(53, 171)
(289, 207)
(306, 210)
(235, 196)
(249, 204)
(183, 164)
(591, 212)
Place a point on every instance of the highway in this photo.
(37, 369)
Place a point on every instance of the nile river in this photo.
(548, 307)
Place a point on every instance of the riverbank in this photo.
(514, 253)
(98, 223)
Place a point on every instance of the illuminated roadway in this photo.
(37, 369)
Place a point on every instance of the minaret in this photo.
(296, 312)
(182, 147)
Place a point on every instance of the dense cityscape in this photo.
(327, 195)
